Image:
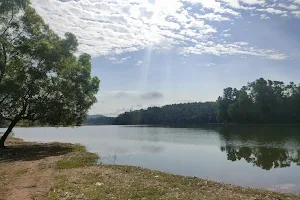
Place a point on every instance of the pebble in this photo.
(99, 184)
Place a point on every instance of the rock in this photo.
(99, 184)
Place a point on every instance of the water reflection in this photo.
(264, 147)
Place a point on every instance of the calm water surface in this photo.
(257, 157)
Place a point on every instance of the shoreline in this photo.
(31, 170)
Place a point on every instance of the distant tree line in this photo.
(188, 113)
(259, 102)
(102, 120)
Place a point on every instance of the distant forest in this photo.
(188, 113)
(100, 120)
(259, 102)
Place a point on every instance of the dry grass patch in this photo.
(124, 182)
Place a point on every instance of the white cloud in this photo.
(254, 2)
(139, 63)
(288, 7)
(264, 16)
(273, 11)
(212, 17)
(296, 13)
(214, 6)
(208, 65)
(116, 60)
(226, 35)
(240, 48)
(110, 27)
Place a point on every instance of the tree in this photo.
(261, 101)
(241, 111)
(9, 28)
(223, 103)
(40, 78)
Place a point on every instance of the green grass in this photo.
(79, 158)
(78, 148)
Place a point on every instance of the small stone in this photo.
(99, 184)
(66, 194)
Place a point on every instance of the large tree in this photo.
(223, 103)
(261, 101)
(40, 77)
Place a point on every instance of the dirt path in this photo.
(25, 180)
(26, 169)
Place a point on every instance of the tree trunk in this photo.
(7, 132)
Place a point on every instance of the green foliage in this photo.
(40, 78)
(189, 113)
(261, 102)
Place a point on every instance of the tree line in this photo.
(100, 120)
(259, 102)
(188, 113)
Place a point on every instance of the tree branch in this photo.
(31, 117)
(4, 99)
(2, 68)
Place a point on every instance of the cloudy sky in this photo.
(157, 52)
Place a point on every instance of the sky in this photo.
(158, 52)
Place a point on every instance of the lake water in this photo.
(257, 157)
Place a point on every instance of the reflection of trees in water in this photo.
(263, 157)
(263, 147)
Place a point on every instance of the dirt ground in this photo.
(65, 171)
